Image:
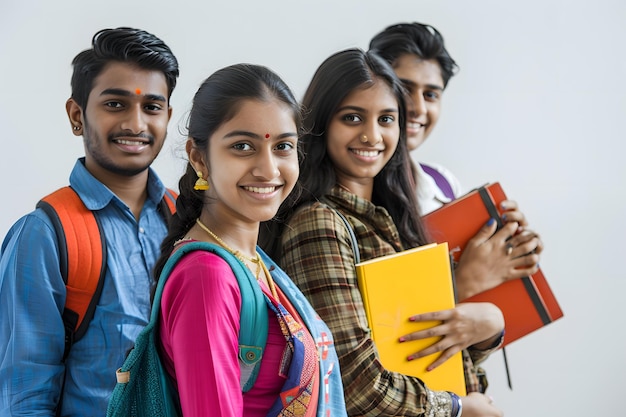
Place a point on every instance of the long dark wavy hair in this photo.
(394, 187)
(217, 100)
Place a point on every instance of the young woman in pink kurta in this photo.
(243, 164)
(200, 324)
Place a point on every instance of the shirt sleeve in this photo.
(318, 256)
(199, 331)
(32, 335)
(479, 356)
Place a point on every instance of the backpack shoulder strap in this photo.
(82, 270)
(167, 206)
(169, 198)
(82, 251)
(353, 240)
(441, 181)
(253, 320)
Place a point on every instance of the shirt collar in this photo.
(351, 202)
(367, 212)
(96, 195)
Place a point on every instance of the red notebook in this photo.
(527, 303)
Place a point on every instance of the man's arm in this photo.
(32, 295)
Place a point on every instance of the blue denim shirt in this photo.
(32, 297)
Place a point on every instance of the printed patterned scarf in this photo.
(299, 365)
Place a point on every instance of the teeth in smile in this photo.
(261, 190)
(414, 125)
(130, 142)
(365, 153)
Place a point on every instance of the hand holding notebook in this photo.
(499, 251)
(396, 287)
(468, 324)
(528, 302)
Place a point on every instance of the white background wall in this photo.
(539, 105)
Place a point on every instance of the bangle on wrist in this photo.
(457, 405)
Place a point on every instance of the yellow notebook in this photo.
(398, 286)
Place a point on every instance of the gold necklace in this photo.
(256, 260)
(270, 282)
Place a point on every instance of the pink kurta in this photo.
(199, 330)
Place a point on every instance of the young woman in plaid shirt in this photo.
(356, 162)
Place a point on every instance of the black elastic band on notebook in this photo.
(528, 284)
(536, 299)
(490, 206)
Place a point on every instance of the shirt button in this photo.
(141, 230)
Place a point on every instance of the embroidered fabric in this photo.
(440, 404)
(299, 366)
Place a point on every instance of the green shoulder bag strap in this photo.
(144, 388)
(253, 321)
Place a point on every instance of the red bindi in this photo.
(138, 91)
(267, 136)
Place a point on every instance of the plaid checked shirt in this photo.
(318, 256)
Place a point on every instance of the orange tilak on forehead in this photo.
(138, 91)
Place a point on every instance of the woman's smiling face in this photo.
(253, 161)
(363, 135)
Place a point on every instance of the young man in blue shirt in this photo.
(120, 105)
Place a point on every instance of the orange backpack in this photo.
(83, 255)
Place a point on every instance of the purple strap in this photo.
(440, 180)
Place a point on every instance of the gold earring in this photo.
(363, 138)
(201, 184)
